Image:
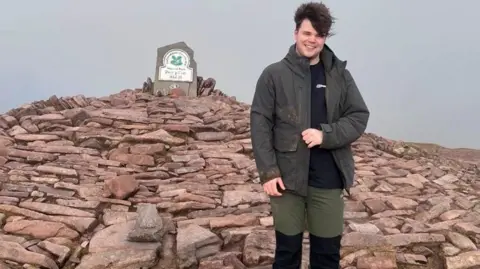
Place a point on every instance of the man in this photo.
(306, 112)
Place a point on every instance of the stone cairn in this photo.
(134, 180)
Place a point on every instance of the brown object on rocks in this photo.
(176, 92)
(133, 180)
(120, 187)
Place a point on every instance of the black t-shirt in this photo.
(323, 172)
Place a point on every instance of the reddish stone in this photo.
(121, 187)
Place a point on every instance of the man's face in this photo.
(309, 42)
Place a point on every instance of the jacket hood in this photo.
(301, 64)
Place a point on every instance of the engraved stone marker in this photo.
(176, 69)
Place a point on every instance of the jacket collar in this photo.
(300, 64)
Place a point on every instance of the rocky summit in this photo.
(134, 180)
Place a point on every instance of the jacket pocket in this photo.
(285, 138)
(285, 144)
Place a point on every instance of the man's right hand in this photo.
(270, 187)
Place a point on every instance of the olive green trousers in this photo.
(321, 212)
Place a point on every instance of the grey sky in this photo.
(414, 61)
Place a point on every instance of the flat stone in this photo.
(13, 251)
(461, 241)
(464, 260)
(407, 239)
(124, 258)
(384, 262)
(358, 239)
(364, 228)
(40, 229)
(53, 209)
(234, 198)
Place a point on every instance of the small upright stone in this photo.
(149, 225)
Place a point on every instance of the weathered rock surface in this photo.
(137, 181)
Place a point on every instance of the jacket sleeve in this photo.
(353, 121)
(261, 127)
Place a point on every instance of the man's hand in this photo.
(312, 137)
(270, 187)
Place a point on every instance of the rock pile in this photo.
(137, 181)
(205, 87)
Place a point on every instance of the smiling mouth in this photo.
(310, 47)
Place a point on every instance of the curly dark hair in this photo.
(318, 14)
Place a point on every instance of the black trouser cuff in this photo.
(325, 252)
(288, 252)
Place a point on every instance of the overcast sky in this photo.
(416, 62)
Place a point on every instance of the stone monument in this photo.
(176, 69)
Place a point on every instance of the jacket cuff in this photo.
(327, 136)
(269, 174)
(327, 128)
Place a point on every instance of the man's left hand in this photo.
(312, 137)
